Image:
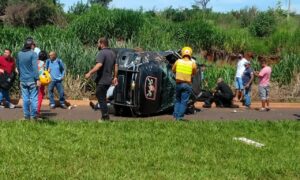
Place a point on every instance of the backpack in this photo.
(61, 67)
(7, 80)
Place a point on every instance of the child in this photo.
(41, 67)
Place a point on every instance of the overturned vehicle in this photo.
(146, 82)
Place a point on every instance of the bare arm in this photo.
(251, 79)
(93, 70)
(115, 80)
(116, 71)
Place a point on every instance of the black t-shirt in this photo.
(108, 60)
(247, 76)
(224, 89)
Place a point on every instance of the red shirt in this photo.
(7, 65)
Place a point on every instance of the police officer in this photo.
(184, 69)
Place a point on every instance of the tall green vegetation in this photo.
(263, 33)
(99, 21)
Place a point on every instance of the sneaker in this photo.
(247, 107)
(11, 106)
(105, 118)
(100, 120)
(206, 106)
(52, 106)
(25, 119)
(64, 106)
(262, 110)
(37, 118)
(92, 105)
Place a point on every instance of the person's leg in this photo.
(41, 93)
(101, 96)
(262, 94)
(5, 95)
(33, 94)
(177, 101)
(218, 100)
(185, 96)
(241, 89)
(51, 93)
(267, 97)
(1, 96)
(25, 97)
(60, 89)
(237, 87)
(247, 96)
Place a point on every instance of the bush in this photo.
(264, 24)
(199, 34)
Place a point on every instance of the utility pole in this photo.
(289, 10)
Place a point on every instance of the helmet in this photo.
(45, 78)
(186, 51)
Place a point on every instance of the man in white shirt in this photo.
(238, 77)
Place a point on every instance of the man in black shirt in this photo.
(105, 63)
(223, 96)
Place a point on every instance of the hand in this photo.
(115, 81)
(38, 83)
(87, 75)
(1, 71)
(247, 86)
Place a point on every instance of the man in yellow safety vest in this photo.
(184, 69)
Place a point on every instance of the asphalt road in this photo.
(221, 114)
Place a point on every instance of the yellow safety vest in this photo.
(184, 70)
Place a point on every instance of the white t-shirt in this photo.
(240, 67)
(37, 51)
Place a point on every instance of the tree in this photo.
(103, 3)
(264, 24)
(32, 13)
(202, 3)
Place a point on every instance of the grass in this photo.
(149, 150)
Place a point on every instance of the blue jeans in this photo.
(183, 92)
(247, 96)
(60, 88)
(30, 99)
(239, 83)
(4, 94)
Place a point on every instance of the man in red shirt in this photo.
(7, 65)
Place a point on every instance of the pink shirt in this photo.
(264, 76)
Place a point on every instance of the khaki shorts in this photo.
(264, 92)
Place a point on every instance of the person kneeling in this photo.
(223, 96)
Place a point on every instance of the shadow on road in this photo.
(298, 116)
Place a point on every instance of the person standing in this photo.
(248, 77)
(105, 64)
(57, 71)
(29, 78)
(184, 69)
(264, 85)
(7, 67)
(238, 77)
(41, 68)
